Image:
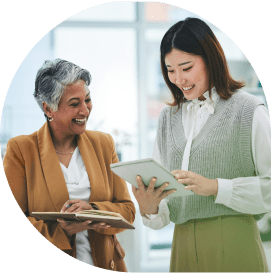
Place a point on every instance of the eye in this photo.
(186, 69)
(74, 104)
(88, 100)
(170, 71)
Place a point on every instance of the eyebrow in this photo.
(77, 98)
(180, 64)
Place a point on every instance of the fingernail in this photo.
(138, 177)
(154, 179)
(89, 222)
(102, 224)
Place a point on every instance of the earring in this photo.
(50, 118)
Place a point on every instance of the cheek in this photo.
(171, 78)
(200, 76)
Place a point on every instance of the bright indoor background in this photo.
(118, 43)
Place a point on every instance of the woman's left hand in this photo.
(196, 183)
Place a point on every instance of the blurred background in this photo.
(118, 43)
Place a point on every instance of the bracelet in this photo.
(94, 207)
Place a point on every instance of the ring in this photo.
(68, 206)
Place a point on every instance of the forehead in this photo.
(76, 89)
(175, 57)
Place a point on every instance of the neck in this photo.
(63, 143)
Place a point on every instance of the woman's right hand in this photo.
(71, 228)
(149, 198)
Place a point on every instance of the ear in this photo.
(47, 110)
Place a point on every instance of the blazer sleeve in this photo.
(15, 169)
(121, 202)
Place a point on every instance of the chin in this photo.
(79, 131)
(190, 96)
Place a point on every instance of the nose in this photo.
(180, 80)
(84, 110)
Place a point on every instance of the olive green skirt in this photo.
(224, 243)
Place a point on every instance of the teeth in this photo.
(187, 88)
(80, 120)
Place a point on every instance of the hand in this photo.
(149, 198)
(71, 227)
(75, 206)
(196, 183)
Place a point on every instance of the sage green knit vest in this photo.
(222, 149)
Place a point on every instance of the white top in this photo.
(78, 185)
(244, 194)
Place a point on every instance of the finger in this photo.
(68, 204)
(73, 207)
(162, 188)
(190, 187)
(187, 181)
(64, 207)
(140, 183)
(178, 173)
(167, 193)
(86, 223)
(134, 189)
(100, 226)
(152, 184)
(61, 220)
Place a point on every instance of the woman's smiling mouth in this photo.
(185, 89)
(80, 121)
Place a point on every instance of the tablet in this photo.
(148, 168)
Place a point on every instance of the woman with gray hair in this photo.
(64, 167)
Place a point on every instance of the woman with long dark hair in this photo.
(216, 140)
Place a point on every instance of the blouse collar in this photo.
(208, 102)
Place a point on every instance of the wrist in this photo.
(151, 211)
(215, 188)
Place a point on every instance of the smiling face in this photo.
(188, 72)
(73, 111)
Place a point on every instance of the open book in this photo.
(111, 218)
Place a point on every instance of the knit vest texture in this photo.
(222, 149)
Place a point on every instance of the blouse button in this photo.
(112, 265)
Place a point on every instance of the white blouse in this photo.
(244, 194)
(78, 185)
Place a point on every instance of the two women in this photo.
(216, 140)
(214, 137)
(64, 167)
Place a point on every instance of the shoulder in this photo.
(24, 142)
(246, 99)
(167, 111)
(22, 147)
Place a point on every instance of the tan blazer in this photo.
(37, 182)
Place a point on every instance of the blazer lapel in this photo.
(93, 167)
(51, 168)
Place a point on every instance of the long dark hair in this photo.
(195, 37)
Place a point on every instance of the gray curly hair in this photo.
(52, 79)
